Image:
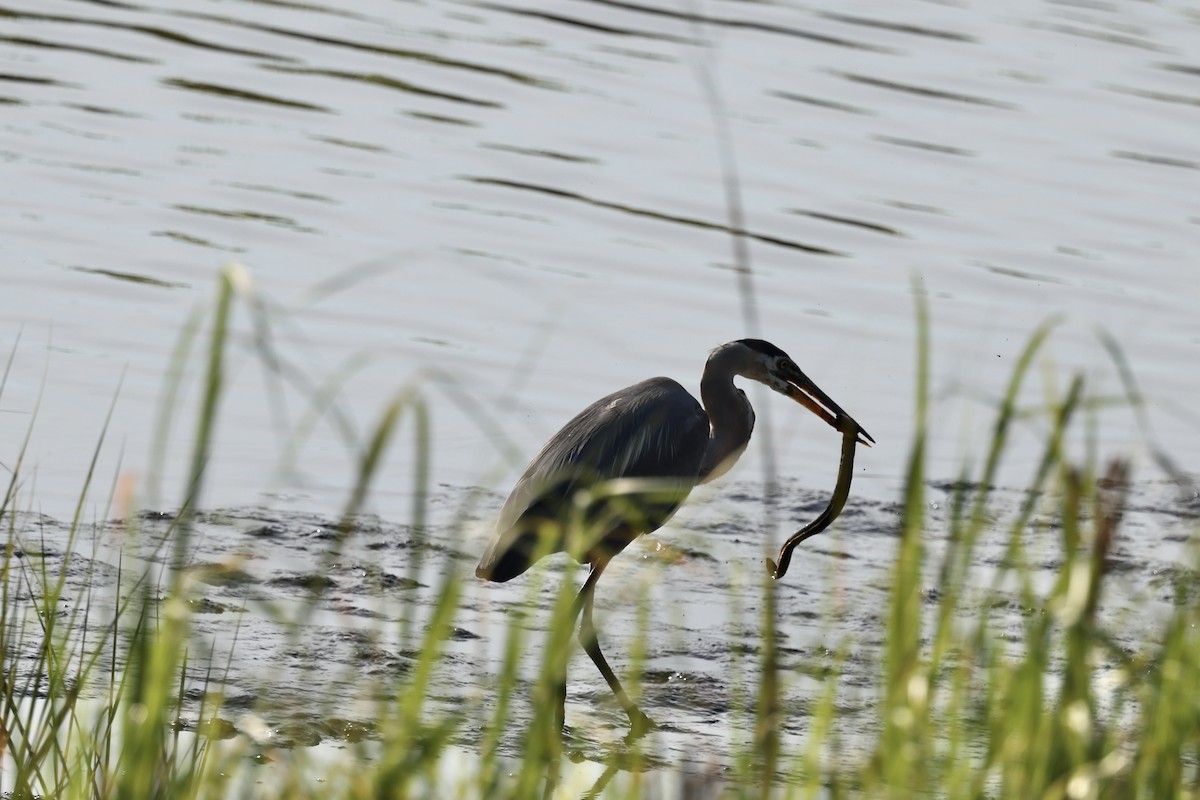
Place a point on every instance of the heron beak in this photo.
(801, 389)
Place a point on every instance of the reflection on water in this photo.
(529, 198)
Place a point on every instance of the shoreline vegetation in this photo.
(109, 693)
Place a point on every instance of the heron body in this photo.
(632, 433)
(652, 441)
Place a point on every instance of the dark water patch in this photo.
(809, 501)
(860, 510)
(918, 144)
(147, 30)
(8, 77)
(387, 82)
(1180, 503)
(219, 574)
(641, 55)
(874, 227)
(211, 728)
(349, 730)
(442, 119)
(442, 549)
(922, 208)
(25, 521)
(1189, 507)
(1123, 562)
(693, 554)
(367, 147)
(364, 649)
(1162, 97)
(737, 529)
(898, 27)
(1186, 69)
(924, 91)
(216, 728)
(1010, 272)
(955, 486)
(395, 52)
(1176, 583)
(366, 578)
(43, 44)
(295, 732)
(237, 699)
(115, 4)
(350, 610)
(245, 95)
(1099, 36)
(696, 692)
(291, 193)
(838, 555)
(31, 549)
(820, 102)
(819, 663)
(204, 605)
(342, 655)
(804, 614)
(752, 631)
(742, 24)
(1162, 161)
(131, 277)
(102, 110)
(267, 532)
(595, 27)
(306, 8)
(96, 573)
(853, 665)
(462, 635)
(312, 582)
(396, 583)
(247, 215)
(539, 153)
(226, 517)
(651, 214)
(1015, 606)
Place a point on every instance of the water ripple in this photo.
(651, 214)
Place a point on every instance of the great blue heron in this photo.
(654, 442)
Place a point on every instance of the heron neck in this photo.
(730, 420)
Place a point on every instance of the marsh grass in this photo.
(963, 709)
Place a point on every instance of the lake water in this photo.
(520, 207)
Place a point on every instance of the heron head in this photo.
(768, 364)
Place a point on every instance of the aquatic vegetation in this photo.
(991, 667)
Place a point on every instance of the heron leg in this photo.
(638, 721)
(561, 709)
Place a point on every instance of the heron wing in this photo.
(653, 429)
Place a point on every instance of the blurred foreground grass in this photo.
(963, 710)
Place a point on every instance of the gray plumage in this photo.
(651, 430)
